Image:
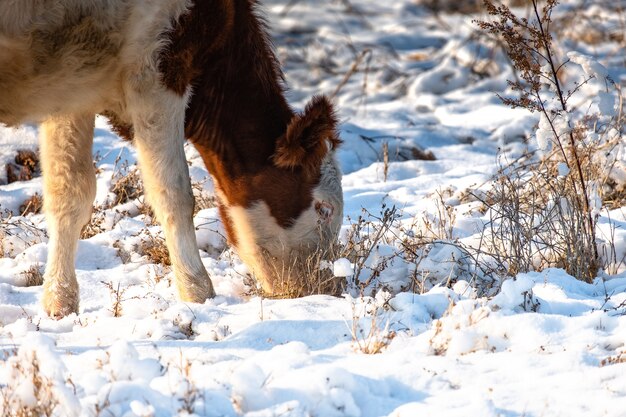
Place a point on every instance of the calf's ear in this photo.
(308, 138)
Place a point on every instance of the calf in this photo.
(163, 71)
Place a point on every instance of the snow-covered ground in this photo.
(542, 344)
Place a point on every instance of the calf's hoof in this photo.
(194, 290)
(59, 300)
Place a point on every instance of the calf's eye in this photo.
(324, 210)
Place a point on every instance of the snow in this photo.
(342, 268)
(591, 67)
(537, 344)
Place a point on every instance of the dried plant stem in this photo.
(353, 69)
(545, 38)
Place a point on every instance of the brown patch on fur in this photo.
(121, 128)
(238, 111)
(209, 21)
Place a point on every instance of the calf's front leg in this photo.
(158, 117)
(69, 184)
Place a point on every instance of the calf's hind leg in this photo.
(69, 191)
(158, 117)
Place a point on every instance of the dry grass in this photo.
(32, 205)
(18, 233)
(313, 274)
(533, 225)
(614, 360)
(190, 392)
(583, 24)
(361, 245)
(95, 225)
(126, 184)
(365, 236)
(155, 249)
(28, 373)
(25, 168)
(124, 255)
(203, 200)
(33, 277)
(374, 337)
(614, 194)
(116, 293)
(27, 158)
(544, 211)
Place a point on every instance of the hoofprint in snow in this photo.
(543, 344)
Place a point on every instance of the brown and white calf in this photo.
(163, 71)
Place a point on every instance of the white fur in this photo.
(104, 59)
(36, 80)
(158, 117)
(69, 189)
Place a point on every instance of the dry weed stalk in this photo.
(45, 401)
(376, 337)
(612, 263)
(190, 394)
(117, 297)
(33, 276)
(366, 55)
(155, 249)
(364, 239)
(203, 200)
(95, 225)
(550, 211)
(32, 205)
(20, 228)
(385, 160)
(126, 183)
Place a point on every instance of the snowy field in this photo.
(422, 128)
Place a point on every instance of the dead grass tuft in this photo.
(374, 337)
(126, 184)
(27, 158)
(203, 200)
(124, 255)
(25, 168)
(614, 360)
(155, 249)
(614, 194)
(95, 225)
(544, 212)
(30, 377)
(32, 205)
(33, 276)
(116, 292)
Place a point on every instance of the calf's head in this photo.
(294, 206)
